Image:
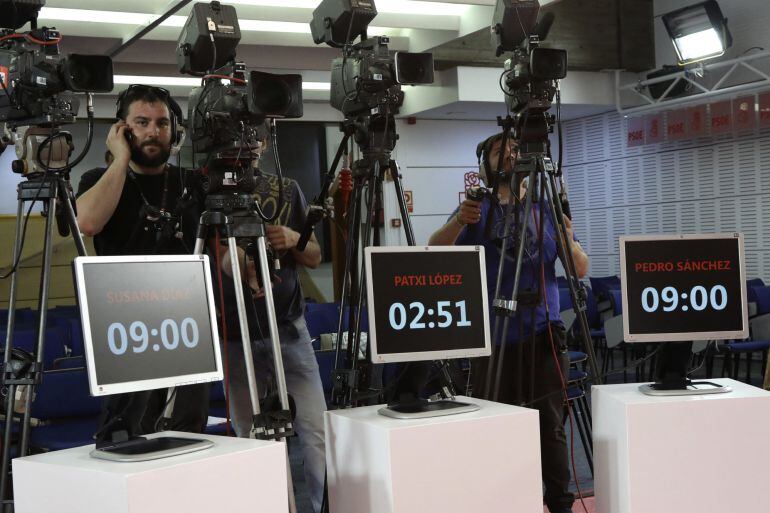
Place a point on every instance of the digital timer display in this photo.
(146, 321)
(687, 287)
(427, 303)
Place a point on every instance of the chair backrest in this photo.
(603, 284)
(613, 330)
(616, 300)
(64, 393)
(565, 300)
(762, 298)
(592, 309)
(754, 282)
(321, 318)
(568, 318)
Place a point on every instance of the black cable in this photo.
(559, 130)
(156, 426)
(118, 417)
(214, 52)
(345, 50)
(281, 200)
(17, 257)
(600, 378)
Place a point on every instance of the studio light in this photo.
(699, 32)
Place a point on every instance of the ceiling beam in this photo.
(140, 32)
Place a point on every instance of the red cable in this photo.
(224, 332)
(55, 41)
(561, 377)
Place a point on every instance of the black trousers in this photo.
(530, 377)
(138, 412)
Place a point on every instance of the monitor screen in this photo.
(148, 322)
(683, 287)
(427, 303)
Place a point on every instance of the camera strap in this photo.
(153, 213)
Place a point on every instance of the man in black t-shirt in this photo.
(141, 205)
(303, 380)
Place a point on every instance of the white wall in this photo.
(708, 185)
(434, 157)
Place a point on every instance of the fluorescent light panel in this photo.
(54, 14)
(194, 82)
(705, 43)
(383, 6)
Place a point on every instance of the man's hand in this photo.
(470, 212)
(282, 238)
(570, 233)
(117, 143)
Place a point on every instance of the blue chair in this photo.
(603, 285)
(616, 300)
(321, 318)
(759, 338)
(69, 413)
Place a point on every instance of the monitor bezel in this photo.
(97, 389)
(425, 355)
(685, 336)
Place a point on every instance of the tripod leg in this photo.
(8, 426)
(244, 325)
(349, 251)
(280, 374)
(395, 173)
(365, 241)
(45, 282)
(65, 193)
(521, 242)
(561, 243)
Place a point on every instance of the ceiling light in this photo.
(699, 32)
(385, 6)
(194, 82)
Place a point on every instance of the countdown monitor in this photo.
(678, 288)
(148, 322)
(427, 303)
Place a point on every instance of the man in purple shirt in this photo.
(536, 332)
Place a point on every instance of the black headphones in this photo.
(175, 111)
(483, 149)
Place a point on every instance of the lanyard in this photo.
(164, 196)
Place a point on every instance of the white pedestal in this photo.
(237, 475)
(487, 460)
(685, 454)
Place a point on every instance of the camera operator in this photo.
(303, 379)
(466, 226)
(140, 205)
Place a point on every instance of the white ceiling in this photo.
(275, 37)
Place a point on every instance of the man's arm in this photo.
(579, 256)
(96, 206)
(283, 238)
(468, 213)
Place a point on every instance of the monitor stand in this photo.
(671, 374)
(133, 449)
(423, 408)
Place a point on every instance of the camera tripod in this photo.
(54, 191)
(534, 162)
(234, 217)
